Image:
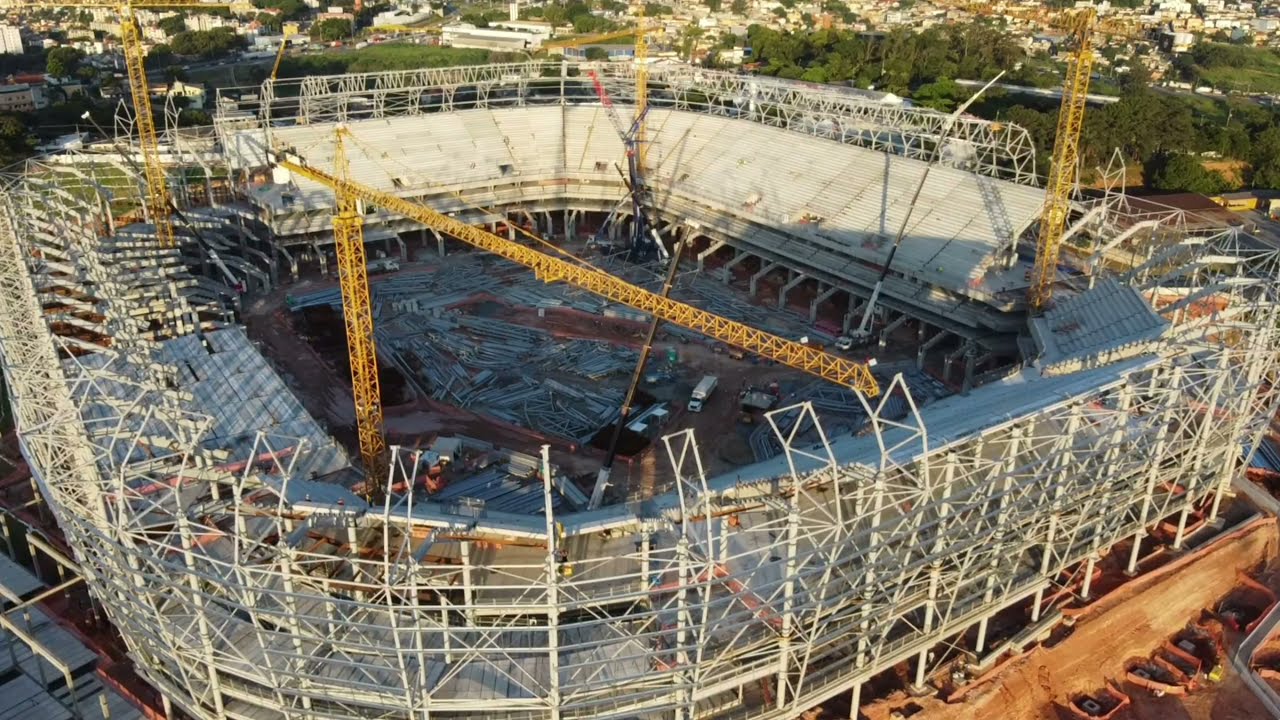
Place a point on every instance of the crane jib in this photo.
(794, 354)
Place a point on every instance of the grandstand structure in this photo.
(216, 522)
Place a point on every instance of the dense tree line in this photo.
(206, 44)
(896, 61)
(332, 29)
(576, 13)
(1163, 132)
(376, 58)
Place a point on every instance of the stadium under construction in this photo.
(229, 532)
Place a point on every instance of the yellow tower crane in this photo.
(289, 31)
(1066, 154)
(642, 83)
(552, 269)
(357, 312)
(157, 191)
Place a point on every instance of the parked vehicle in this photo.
(702, 392)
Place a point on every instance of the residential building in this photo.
(10, 40)
(22, 98)
(469, 36)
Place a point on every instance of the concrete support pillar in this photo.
(821, 297)
(1088, 576)
(888, 330)
(439, 241)
(950, 359)
(929, 345)
(791, 284)
(855, 701)
(921, 330)
(711, 249)
(854, 313)
(970, 364)
(551, 225)
(981, 643)
(511, 232)
(404, 249)
(726, 272)
(755, 279)
(324, 261)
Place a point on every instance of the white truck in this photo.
(702, 392)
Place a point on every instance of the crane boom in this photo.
(1066, 153)
(157, 191)
(289, 31)
(551, 269)
(353, 275)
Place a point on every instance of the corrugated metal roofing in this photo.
(1108, 318)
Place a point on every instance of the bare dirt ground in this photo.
(1129, 622)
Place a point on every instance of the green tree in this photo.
(206, 44)
(938, 95)
(173, 24)
(331, 30)
(713, 5)
(289, 9)
(738, 7)
(1176, 172)
(595, 53)
(63, 61)
(160, 54)
(652, 9)
(477, 19)
(555, 13)
(271, 21)
(192, 118)
(1265, 162)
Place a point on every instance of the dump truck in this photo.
(702, 392)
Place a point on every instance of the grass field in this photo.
(1260, 72)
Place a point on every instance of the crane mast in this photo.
(357, 313)
(1066, 153)
(156, 198)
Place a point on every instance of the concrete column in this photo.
(439, 241)
(950, 359)
(929, 345)
(551, 225)
(970, 364)
(821, 297)
(727, 270)
(711, 249)
(921, 331)
(324, 261)
(1088, 576)
(755, 279)
(855, 701)
(511, 232)
(854, 314)
(791, 284)
(981, 643)
(404, 249)
(888, 330)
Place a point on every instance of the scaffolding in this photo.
(249, 581)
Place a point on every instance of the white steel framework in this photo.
(247, 583)
(992, 149)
